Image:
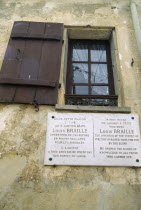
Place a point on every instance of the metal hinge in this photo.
(36, 106)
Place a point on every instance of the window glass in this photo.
(99, 73)
(99, 90)
(80, 52)
(98, 53)
(80, 90)
(80, 73)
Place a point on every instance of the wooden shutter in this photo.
(31, 65)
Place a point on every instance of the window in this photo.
(89, 74)
(31, 68)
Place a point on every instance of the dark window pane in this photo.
(99, 73)
(80, 52)
(80, 90)
(98, 53)
(99, 90)
(80, 73)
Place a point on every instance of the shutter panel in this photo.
(31, 66)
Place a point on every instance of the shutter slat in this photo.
(37, 36)
(50, 66)
(12, 62)
(36, 28)
(13, 58)
(30, 66)
(54, 30)
(20, 27)
(24, 95)
(50, 61)
(11, 66)
(7, 93)
(11, 81)
(31, 60)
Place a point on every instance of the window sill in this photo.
(96, 109)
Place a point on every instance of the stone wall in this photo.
(25, 182)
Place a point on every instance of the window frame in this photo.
(111, 96)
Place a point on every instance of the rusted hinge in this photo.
(36, 106)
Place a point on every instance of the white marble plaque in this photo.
(93, 140)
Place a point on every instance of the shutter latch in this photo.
(36, 106)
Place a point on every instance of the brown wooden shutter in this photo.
(31, 65)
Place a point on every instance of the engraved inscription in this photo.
(93, 139)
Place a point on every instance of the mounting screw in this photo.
(132, 118)
(137, 160)
(50, 159)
